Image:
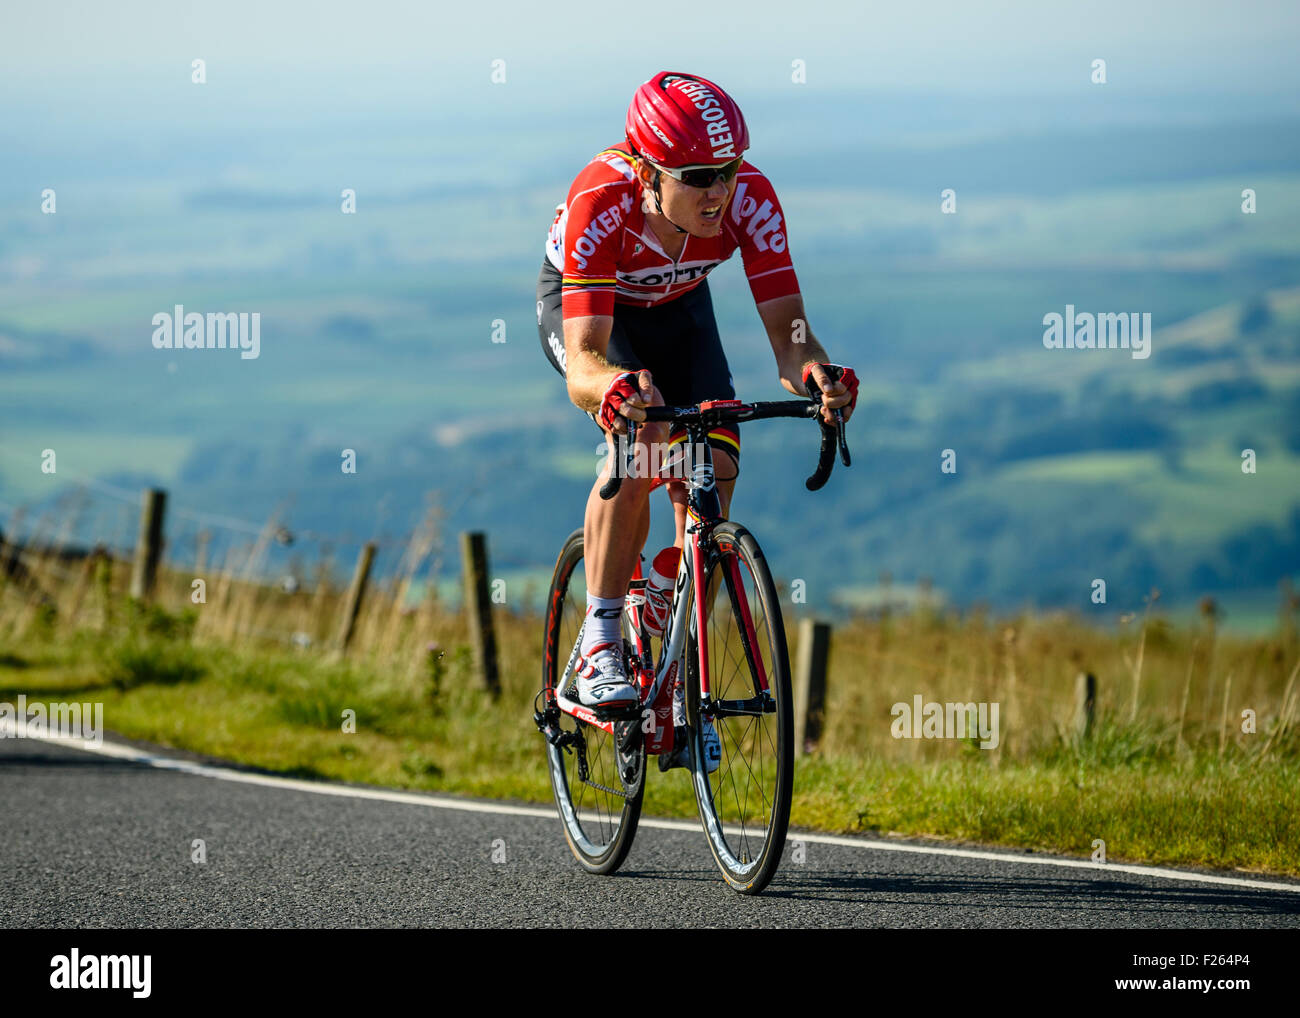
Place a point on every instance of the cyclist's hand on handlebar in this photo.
(838, 386)
(627, 394)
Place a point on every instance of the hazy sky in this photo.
(565, 50)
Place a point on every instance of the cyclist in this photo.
(624, 314)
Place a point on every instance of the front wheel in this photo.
(744, 802)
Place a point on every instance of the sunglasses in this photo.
(703, 177)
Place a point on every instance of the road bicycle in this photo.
(726, 646)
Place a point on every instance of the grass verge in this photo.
(1149, 798)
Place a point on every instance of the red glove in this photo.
(620, 389)
(837, 373)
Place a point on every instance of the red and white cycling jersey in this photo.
(600, 243)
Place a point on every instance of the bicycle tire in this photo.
(597, 840)
(746, 861)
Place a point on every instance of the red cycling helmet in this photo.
(678, 120)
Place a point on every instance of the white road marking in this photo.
(8, 729)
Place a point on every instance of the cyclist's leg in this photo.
(614, 530)
(550, 315)
(679, 343)
(677, 496)
(710, 378)
(726, 470)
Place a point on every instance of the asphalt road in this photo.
(91, 841)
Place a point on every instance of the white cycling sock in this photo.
(604, 622)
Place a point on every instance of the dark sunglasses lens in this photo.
(699, 178)
(704, 178)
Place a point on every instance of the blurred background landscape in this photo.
(377, 328)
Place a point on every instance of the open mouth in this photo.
(712, 213)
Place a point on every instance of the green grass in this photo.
(1152, 791)
(1231, 815)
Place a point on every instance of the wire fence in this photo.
(73, 556)
(73, 553)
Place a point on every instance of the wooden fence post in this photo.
(810, 684)
(356, 592)
(1085, 704)
(478, 608)
(148, 545)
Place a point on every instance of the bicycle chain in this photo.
(583, 771)
(621, 793)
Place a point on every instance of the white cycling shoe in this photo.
(602, 682)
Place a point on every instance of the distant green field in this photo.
(1208, 495)
(1087, 468)
(1211, 494)
(376, 335)
(81, 454)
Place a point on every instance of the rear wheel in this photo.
(598, 808)
(745, 803)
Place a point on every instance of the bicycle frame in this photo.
(704, 512)
(714, 549)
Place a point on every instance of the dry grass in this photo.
(1168, 773)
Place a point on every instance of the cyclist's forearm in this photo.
(587, 371)
(589, 377)
(791, 366)
(792, 339)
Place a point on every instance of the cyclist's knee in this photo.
(725, 467)
(725, 472)
(653, 433)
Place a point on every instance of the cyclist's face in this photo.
(698, 210)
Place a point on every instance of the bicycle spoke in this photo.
(757, 778)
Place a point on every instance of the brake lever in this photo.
(840, 440)
(631, 448)
(611, 486)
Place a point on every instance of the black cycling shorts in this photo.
(677, 342)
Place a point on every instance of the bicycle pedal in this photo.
(627, 734)
(625, 712)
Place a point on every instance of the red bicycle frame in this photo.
(704, 512)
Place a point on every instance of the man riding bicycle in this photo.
(624, 314)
